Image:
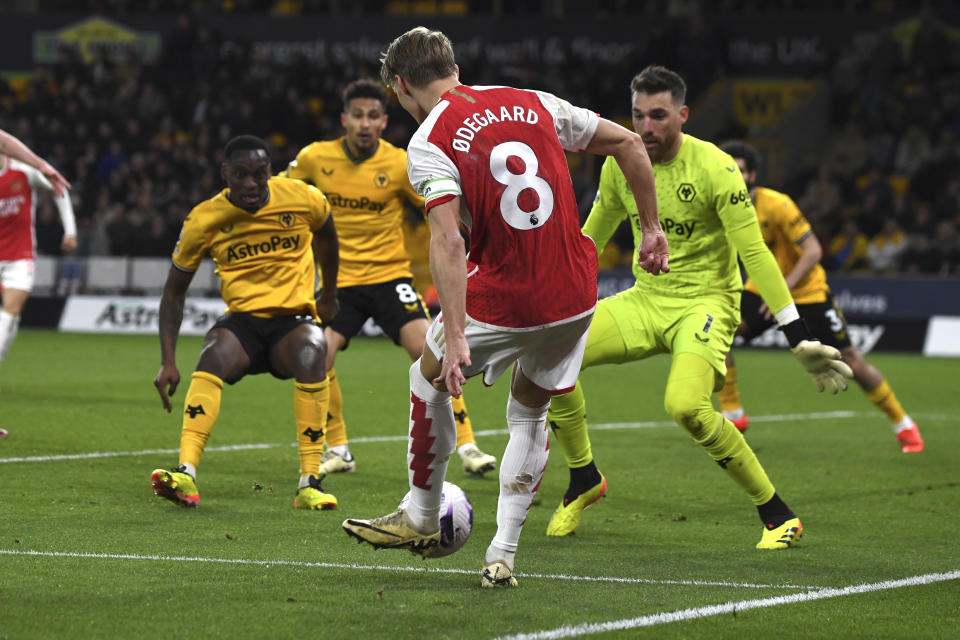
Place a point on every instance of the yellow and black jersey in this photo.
(264, 259)
(784, 227)
(367, 199)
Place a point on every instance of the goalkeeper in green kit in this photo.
(691, 312)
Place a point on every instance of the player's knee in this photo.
(309, 362)
(687, 412)
(424, 388)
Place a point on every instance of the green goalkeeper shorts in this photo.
(635, 324)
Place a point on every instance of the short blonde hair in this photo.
(419, 56)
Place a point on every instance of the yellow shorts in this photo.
(634, 325)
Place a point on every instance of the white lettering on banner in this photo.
(119, 314)
(787, 50)
(863, 337)
(860, 302)
(552, 50)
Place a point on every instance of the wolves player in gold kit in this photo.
(797, 251)
(264, 234)
(365, 180)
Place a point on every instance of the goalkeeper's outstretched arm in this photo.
(821, 361)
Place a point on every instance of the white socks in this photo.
(906, 423)
(467, 446)
(342, 450)
(432, 438)
(521, 469)
(8, 331)
(736, 414)
(190, 470)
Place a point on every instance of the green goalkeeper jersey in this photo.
(707, 216)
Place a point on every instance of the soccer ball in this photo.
(456, 520)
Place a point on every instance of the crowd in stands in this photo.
(886, 198)
(141, 141)
(491, 7)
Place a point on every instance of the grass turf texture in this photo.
(247, 564)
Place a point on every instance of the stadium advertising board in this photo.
(943, 337)
(30, 39)
(95, 36)
(932, 335)
(871, 333)
(797, 46)
(120, 314)
(918, 315)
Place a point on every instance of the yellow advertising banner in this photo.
(764, 102)
(95, 36)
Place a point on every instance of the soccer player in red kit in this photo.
(492, 160)
(19, 187)
(12, 147)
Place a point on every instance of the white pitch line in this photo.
(489, 432)
(771, 418)
(729, 607)
(144, 452)
(336, 565)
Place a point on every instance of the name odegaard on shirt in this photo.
(473, 123)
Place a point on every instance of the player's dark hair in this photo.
(364, 88)
(245, 143)
(743, 151)
(419, 56)
(657, 79)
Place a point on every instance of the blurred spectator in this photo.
(121, 233)
(945, 243)
(848, 249)
(947, 206)
(919, 259)
(48, 229)
(922, 222)
(160, 238)
(952, 259)
(886, 248)
(849, 152)
(112, 159)
(913, 151)
(882, 145)
(876, 201)
(823, 196)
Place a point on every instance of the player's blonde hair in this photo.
(419, 56)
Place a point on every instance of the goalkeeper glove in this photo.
(821, 361)
(824, 364)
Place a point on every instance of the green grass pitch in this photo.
(87, 551)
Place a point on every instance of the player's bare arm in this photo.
(810, 254)
(448, 264)
(628, 150)
(11, 146)
(171, 317)
(326, 252)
